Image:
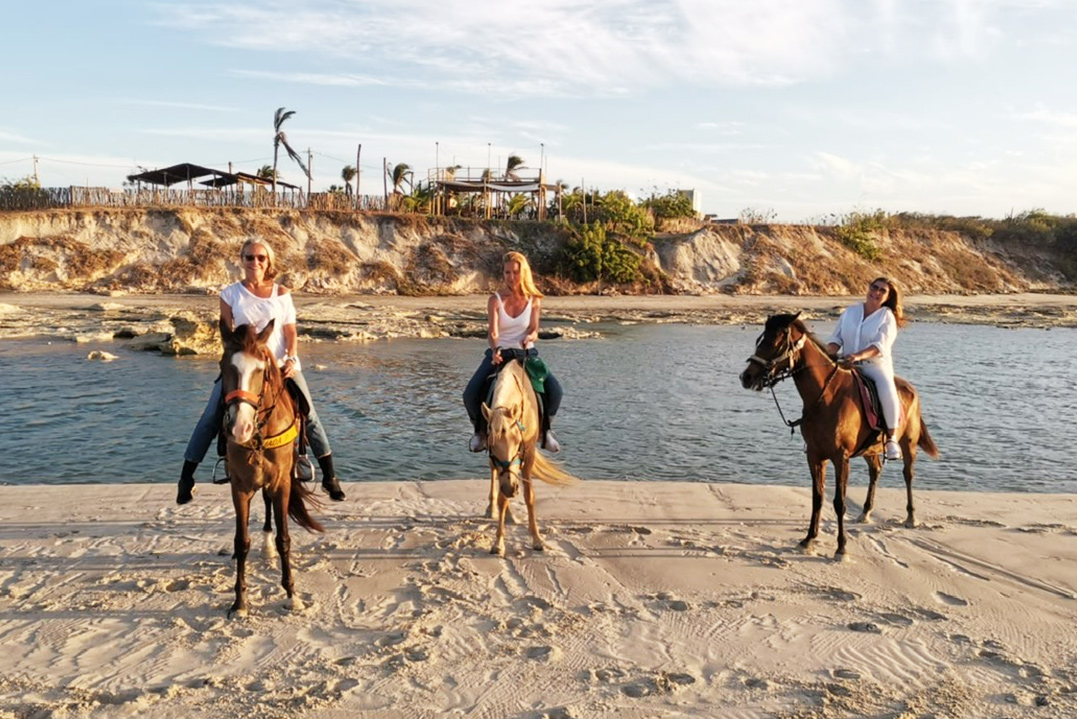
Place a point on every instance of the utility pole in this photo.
(310, 164)
(36, 180)
(358, 170)
(385, 180)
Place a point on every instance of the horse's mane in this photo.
(812, 337)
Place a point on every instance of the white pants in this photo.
(883, 376)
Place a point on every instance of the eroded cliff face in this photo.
(196, 250)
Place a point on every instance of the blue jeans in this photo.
(473, 393)
(205, 432)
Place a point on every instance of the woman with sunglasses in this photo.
(865, 335)
(256, 300)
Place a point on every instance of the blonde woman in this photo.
(513, 313)
(255, 300)
(865, 335)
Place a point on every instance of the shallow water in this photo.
(646, 402)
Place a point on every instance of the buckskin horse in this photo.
(832, 423)
(261, 425)
(512, 435)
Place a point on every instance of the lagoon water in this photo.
(644, 402)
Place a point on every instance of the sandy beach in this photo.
(652, 600)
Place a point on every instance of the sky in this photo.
(790, 110)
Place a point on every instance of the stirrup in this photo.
(895, 454)
(304, 469)
(224, 478)
(476, 443)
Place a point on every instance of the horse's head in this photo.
(246, 368)
(505, 441)
(776, 351)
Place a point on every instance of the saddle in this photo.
(870, 408)
(302, 468)
(536, 369)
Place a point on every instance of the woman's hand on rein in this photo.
(495, 356)
(288, 370)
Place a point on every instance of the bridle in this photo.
(506, 465)
(259, 441)
(773, 366)
(776, 372)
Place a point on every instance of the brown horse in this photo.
(261, 424)
(832, 423)
(513, 430)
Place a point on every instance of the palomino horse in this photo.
(832, 423)
(513, 430)
(261, 425)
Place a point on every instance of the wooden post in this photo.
(310, 164)
(358, 152)
(385, 180)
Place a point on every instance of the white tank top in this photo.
(249, 309)
(512, 330)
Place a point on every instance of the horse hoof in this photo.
(911, 523)
(237, 613)
(865, 519)
(538, 547)
(294, 604)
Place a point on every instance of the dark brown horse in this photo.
(261, 425)
(832, 423)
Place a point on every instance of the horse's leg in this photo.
(909, 454)
(875, 467)
(491, 508)
(818, 482)
(284, 544)
(270, 550)
(242, 503)
(841, 482)
(529, 500)
(498, 547)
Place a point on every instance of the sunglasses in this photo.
(252, 258)
(878, 288)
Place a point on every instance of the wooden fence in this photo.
(45, 198)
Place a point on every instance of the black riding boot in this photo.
(186, 482)
(329, 479)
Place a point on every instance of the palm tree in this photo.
(280, 139)
(266, 172)
(399, 175)
(515, 162)
(348, 174)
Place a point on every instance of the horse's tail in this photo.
(551, 472)
(298, 500)
(926, 443)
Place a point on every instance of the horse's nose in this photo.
(744, 381)
(508, 484)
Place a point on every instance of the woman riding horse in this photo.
(513, 313)
(257, 300)
(865, 335)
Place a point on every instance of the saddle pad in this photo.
(869, 401)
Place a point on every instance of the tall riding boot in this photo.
(186, 482)
(329, 479)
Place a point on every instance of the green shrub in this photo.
(856, 232)
(591, 255)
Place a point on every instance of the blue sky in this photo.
(797, 109)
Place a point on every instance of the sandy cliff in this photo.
(193, 250)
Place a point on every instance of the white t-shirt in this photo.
(512, 330)
(249, 309)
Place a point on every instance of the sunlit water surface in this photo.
(644, 402)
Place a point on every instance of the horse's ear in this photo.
(486, 411)
(266, 331)
(797, 315)
(516, 412)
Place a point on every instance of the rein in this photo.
(793, 356)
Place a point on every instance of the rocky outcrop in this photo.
(195, 250)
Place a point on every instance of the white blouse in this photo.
(249, 309)
(855, 333)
